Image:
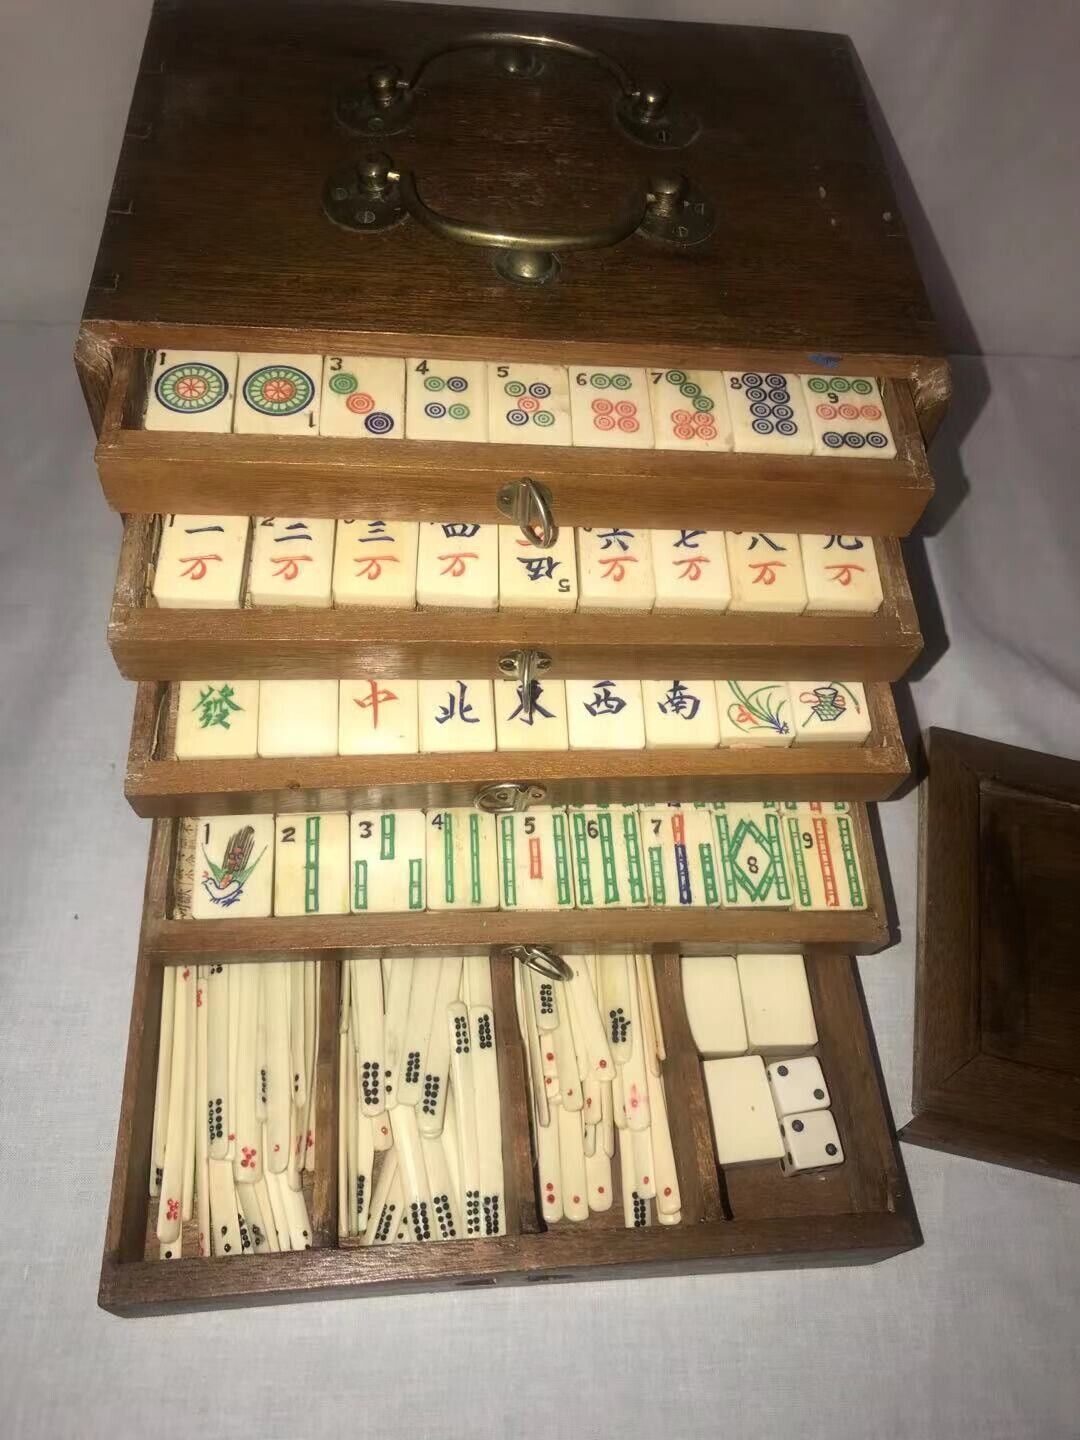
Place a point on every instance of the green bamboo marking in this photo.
(776, 850)
(509, 861)
(448, 857)
(802, 879)
(635, 869)
(851, 863)
(387, 837)
(564, 888)
(723, 835)
(474, 857)
(311, 864)
(656, 873)
(416, 884)
(360, 885)
(581, 854)
(708, 873)
(607, 860)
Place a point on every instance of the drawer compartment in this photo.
(152, 643)
(148, 471)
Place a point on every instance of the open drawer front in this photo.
(154, 643)
(732, 1219)
(162, 471)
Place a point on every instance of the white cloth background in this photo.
(976, 1333)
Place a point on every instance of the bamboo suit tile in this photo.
(234, 867)
(462, 868)
(311, 865)
(387, 851)
(535, 870)
(609, 856)
(754, 862)
(681, 855)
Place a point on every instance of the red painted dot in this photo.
(633, 1104)
(667, 1190)
(603, 1064)
(232, 1135)
(549, 1056)
(600, 1190)
(644, 1179)
(547, 1079)
(588, 1102)
(550, 1185)
(576, 1199)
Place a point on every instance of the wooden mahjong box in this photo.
(543, 274)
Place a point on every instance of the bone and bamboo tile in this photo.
(363, 397)
(217, 719)
(191, 390)
(278, 395)
(292, 561)
(200, 562)
(378, 717)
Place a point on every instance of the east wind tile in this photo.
(609, 406)
(458, 566)
(528, 404)
(378, 717)
(363, 397)
(534, 579)
(291, 561)
(278, 395)
(847, 416)
(690, 570)
(200, 562)
(841, 573)
(217, 719)
(540, 727)
(375, 563)
(191, 390)
(690, 409)
(446, 400)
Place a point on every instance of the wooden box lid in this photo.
(216, 224)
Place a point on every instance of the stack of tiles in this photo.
(594, 1047)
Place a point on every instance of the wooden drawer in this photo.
(157, 784)
(148, 472)
(748, 1218)
(151, 643)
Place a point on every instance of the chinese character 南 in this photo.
(680, 701)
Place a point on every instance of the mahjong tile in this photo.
(456, 716)
(768, 413)
(824, 857)
(766, 572)
(690, 409)
(615, 569)
(829, 712)
(609, 856)
(534, 579)
(605, 715)
(378, 717)
(191, 390)
(278, 395)
(298, 717)
(291, 561)
(457, 566)
(841, 573)
(217, 719)
(200, 562)
(847, 416)
(681, 861)
(375, 563)
(363, 397)
(754, 712)
(690, 569)
(311, 865)
(744, 1122)
(754, 864)
(462, 866)
(386, 854)
(610, 406)
(446, 400)
(542, 729)
(680, 713)
(528, 404)
(776, 1003)
(534, 860)
(234, 867)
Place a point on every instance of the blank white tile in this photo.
(456, 716)
(200, 562)
(605, 715)
(298, 717)
(363, 397)
(744, 1122)
(446, 400)
(278, 395)
(680, 713)
(830, 712)
(690, 409)
(542, 729)
(797, 1085)
(681, 863)
(753, 856)
(292, 561)
(462, 865)
(766, 572)
(234, 867)
(387, 850)
(378, 717)
(609, 857)
(528, 404)
(535, 869)
(713, 1003)
(841, 573)
(754, 712)
(768, 413)
(615, 569)
(847, 416)
(824, 860)
(311, 864)
(375, 563)
(811, 1142)
(533, 579)
(776, 1002)
(192, 390)
(217, 719)
(609, 406)
(690, 570)
(457, 566)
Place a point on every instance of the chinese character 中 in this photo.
(215, 704)
(679, 701)
(604, 702)
(373, 699)
(459, 705)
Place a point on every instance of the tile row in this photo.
(226, 561)
(385, 398)
(242, 719)
(774, 854)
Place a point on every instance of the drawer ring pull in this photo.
(529, 506)
(383, 102)
(541, 959)
(508, 797)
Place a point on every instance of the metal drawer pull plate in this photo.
(539, 958)
(529, 506)
(508, 797)
(383, 102)
(524, 666)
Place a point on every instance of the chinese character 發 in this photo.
(528, 716)
(459, 705)
(373, 699)
(679, 701)
(215, 704)
(604, 702)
